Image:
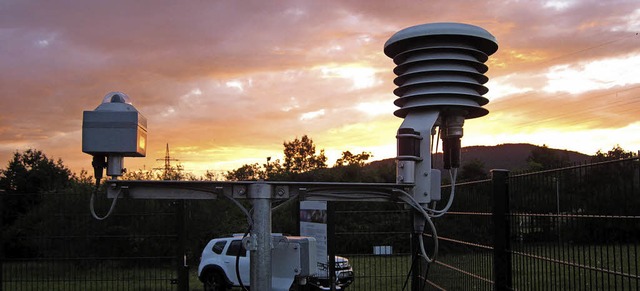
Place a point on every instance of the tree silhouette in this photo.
(300, 156)
(32, 172)
(247, 172)
(350, 159)
(616, 153)
(472, 170)
(545, 158)
(29, 174)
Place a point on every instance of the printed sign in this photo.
(313, 223)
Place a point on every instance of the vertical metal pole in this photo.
(501, 232)
(417, 262)
(558, 220)
(558, 195)
(423, 123)
(331, 245)
(260, 195)
(2, 195)
(181, 253)
(296, 218)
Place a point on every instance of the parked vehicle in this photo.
(217, 269)
(344, 275)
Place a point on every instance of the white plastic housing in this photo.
(114, 128)
(440, 77)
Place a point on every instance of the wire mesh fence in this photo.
(375, 237)
(575, 228)
(58, 246)
(465, 260)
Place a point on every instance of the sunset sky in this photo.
(225, 83)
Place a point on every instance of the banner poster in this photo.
(313, 223)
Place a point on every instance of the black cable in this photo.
(99, 163)
(406, 280)
(426, 274)
(238, 259)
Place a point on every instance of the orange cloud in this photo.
(227, 82)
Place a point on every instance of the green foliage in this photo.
(172, 173)
(302, 163)
(300, 156)
(599, 189)
(361, 226)
(106, 276)
(247, 172)
(472, 170)
(140, 175)
(32, 172)
(29, 174)
(212, 176)
(615, 153)
(380, 273)
(544, 158)
(350, 159)
(33, 184)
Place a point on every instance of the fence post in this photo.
(331, 244)
(2, 196)
(418, 264)
(501, 231)
(181, 264)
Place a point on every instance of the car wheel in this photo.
(214, 282)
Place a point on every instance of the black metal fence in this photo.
(376, 238)
(575, 228)
(59, 246)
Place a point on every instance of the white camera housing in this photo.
(115, 127)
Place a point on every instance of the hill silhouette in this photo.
(511, 157)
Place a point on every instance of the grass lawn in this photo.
(535, 267)
(546, 267)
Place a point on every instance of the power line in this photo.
(529, 99)
(167, 162)
(630, 105)
(588, 48)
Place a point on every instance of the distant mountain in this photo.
(512, 157)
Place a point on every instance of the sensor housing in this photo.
(114, 128)
(440, 77)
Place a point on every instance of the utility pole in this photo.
(167, 164)
(182, 268)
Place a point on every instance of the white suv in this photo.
(344, 275)
(217, 269)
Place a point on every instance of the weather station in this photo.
(440, 77)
